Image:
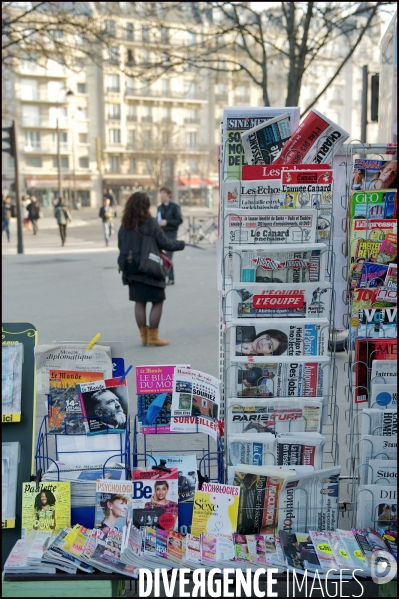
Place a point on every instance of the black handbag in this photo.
(151, 262)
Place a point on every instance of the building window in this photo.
(192, 115)
(83, 138)
(132, 165)
(131, 112)
(166, 114)
(129, 32)
(130, 57)
(81, 114)
(147, 139)
(130, 85)
(114, 136)
(242, 94)
(32, 140)
(80, 63)
(84, 162)
(165, 138)
(113, 164)
(114, 112)
(148, 166)
(192, 164)
(110, 28)
(165, 87)
(81, 88)
(33, 161)
(29, 89)
(113, 83)
(113, 55)
(190, 88)
(145, 33)
(192, 140)
(164, 35)
(147, 114)
(64, 162)
(167, 167)
(131, 138)
(146, 58)
(204, 403)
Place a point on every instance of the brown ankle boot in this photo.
(144, 334)
(154, 340)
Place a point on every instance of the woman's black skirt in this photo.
(140, 292)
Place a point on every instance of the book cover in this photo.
(10, 455)
(12, 357)
(289, 263)
(215, 509)
(104, 406)
(154, 387)
(270, 226)
(367, 352)
(372, 204)
(270, 300)
(281, 338)
(45, 507)
(113, 503)
(64, 411)
(155, 498)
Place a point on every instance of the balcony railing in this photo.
(154, 93)
(131, 117)
(146, 119)
(113, 90)
(113, 117)
(44, 148)
(192, 121)
(45, 121)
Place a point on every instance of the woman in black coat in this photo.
(136, 223)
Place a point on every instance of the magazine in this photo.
(367, 352)
(104, 406)
(215, 509)
(378, 422)
(281, 338)
(193, 548)
(12, 357)
(391, 278)
(72, 356)
(195, 402)
(155, 498)
(302, 449)
(259, 450)
(310, 500)
(113, 505)
(339, 550)
(46, 506)
(64, 411)
(280, 377)
(259, 498)
(242, 547)
(217, 547)
(372, 275)
(377, 322)
(353, 550)
(306, 189)
(154, 386)
(315, 140)
(321, 542)
(265, 300)
(384, 395)
(299, 550)
(10, 455)
(376, 507)
(375, 174)
(291, 263)
(372, 240)
(237, 120)
(382, 469)
(372, 204)
(270, 226)
(187, 474)
(273, 415)
(263, 143)
(175, 546)
(374, 447)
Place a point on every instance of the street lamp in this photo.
(68, 94)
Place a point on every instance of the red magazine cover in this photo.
(368, 350)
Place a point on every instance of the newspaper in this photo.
(254, 450)
(377, 506)
(300, 449)
(383, 394)
(263, 143)
(260, 338)
(272, 226)
(237, 120)
(376, 421)
(385, 370)
(315, 140)
(382, 470)
(280, 415)
(296, 263)
(255, 172)
(195, 402)
(310, 501)
(372, 447)
(273, 300)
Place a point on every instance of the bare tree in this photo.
(278, 42)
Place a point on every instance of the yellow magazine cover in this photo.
(47, 507)
(64, 411)
(215, 509)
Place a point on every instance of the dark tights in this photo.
(155, 314)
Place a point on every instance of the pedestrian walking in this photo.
(107, 214)
(63, 217)
(143, 288)
(34, 214)
(110, 195)
(25, 201)
(169, 218)
(6, 217)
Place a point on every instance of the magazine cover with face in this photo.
(104, 406)
(155, 498)
(280, 337)
(46, 506)
(113, 505)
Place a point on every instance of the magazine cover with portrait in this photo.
(104, 406)
(113, 505)
(155, 498)
(279, 337)
(46, 506)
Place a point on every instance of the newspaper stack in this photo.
(83, 479)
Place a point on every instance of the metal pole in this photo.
(75, 198)
(59, 156)
(20, 245)
(363, 134)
